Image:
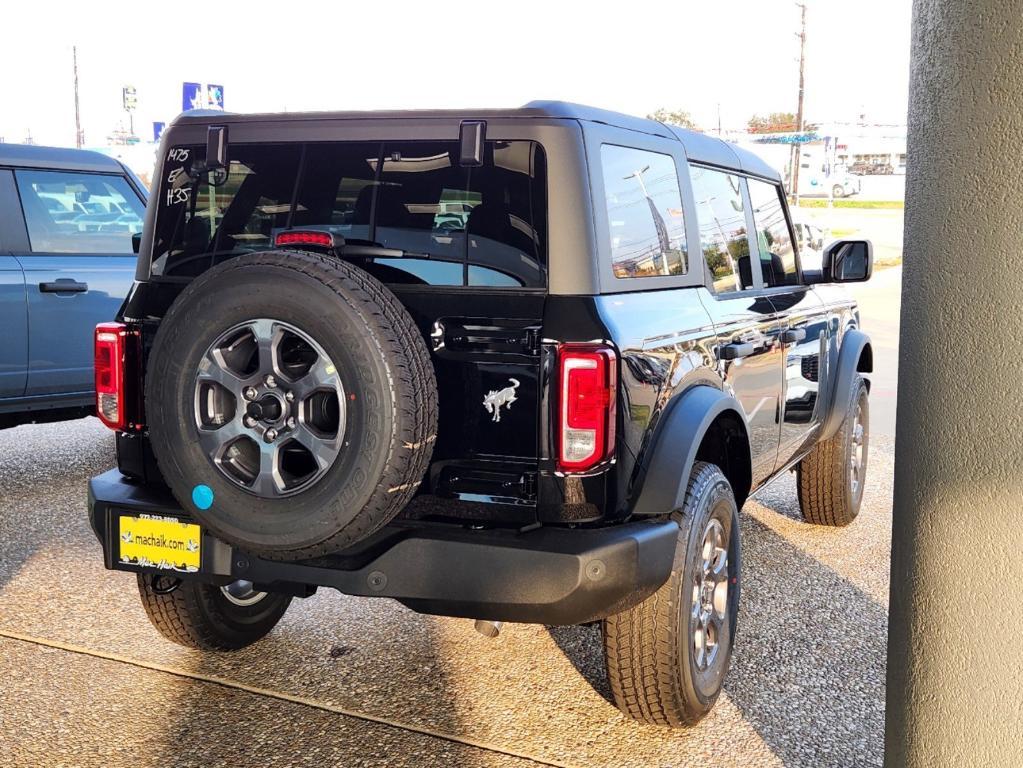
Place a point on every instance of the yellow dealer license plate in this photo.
(155, 541)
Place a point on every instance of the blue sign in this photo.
(215, 96)
(158, 130)
(192, 96)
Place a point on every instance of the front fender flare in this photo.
(672, 452)
(854, 342)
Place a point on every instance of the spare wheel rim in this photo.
(269, 408)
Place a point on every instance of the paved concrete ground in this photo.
(84, 680)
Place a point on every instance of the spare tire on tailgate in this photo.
(291, 402)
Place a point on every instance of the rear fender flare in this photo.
(662, 486)
(854, 343)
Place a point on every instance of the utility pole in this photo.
(78, 120)
(719, 119)
(797, 150)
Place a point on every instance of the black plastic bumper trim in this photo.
(546, 575)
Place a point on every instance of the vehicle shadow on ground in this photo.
(583, 646)
(44, 471)
(808, 668)
(323, 658)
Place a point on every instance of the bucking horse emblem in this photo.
(500, 397)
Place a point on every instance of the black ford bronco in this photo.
(521, 365)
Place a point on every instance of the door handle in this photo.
(735, 350)
(793, 335)
(64, 285)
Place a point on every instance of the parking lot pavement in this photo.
(884, 227)
(880, 301)
(85, 681)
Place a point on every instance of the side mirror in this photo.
(136, 242)
(848, 261)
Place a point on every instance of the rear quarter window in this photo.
(644, 211)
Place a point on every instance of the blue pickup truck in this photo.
(66, 262)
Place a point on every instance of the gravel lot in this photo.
(85, 681)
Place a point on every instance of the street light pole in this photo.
(655, 215)
(78, 121)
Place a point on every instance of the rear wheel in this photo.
(667, 657)
(208, 617)
(830, 478)
(837, 191)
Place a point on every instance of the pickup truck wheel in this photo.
(208, 617)
(667, 657)
(830, 478)
(292, 403)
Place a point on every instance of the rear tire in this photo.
(658, 669)
(830, 478)
(203, 617)
(374, 387)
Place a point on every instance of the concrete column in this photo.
(955, 654)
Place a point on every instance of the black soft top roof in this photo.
(699, 146)
(57, 158)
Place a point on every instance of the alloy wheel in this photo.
(242, 593)
(709, 607)
(269, 408)
(856, 455)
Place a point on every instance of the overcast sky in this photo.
(632, 55)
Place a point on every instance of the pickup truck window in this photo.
(79, 212)
(454, 225)
(644, 212)
(722, 218)
(777, 254)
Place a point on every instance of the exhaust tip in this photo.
(490, 629)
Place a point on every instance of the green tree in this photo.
(677, 117)
(777, 122)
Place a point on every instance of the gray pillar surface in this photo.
(955, 656)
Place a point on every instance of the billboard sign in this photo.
(192, 96)
(201, 96)
(214, 96)
(129, 98)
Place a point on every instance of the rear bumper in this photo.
(546, 575)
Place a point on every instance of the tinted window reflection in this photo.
(777, 255)
(644, 211)
(457, 225)
(723, 236)
(79, 212)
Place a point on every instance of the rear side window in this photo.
(723, 235)
(777, 254)
(79, 212)
(644, 212)
(454, 225)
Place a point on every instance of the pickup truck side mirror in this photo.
(848, 261)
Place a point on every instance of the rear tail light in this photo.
(587, 382)
(305, 237)
(111, 398)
